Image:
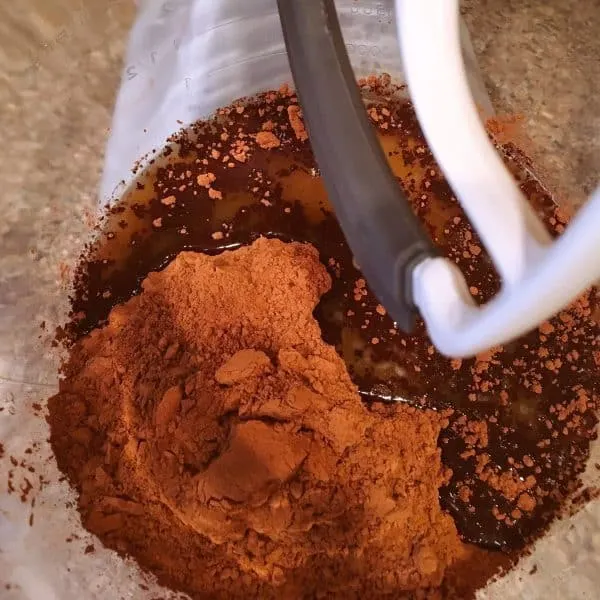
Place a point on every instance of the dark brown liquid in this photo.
(385, 363)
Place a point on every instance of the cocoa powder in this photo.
(216, 438)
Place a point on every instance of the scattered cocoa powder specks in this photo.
(205, 179)
(239, 151)
(526, 502)
(373, 113)
(168, 201)
(267, 140)
(465, 493)
(295, 117)
(285, 90)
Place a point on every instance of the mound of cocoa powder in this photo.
(214, 437)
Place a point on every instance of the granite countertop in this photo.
(541, 59)
(60, 64)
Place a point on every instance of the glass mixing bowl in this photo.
(185, 59)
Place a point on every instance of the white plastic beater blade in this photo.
(539, 277)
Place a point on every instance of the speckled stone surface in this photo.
(60, 63)
(541, 59)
